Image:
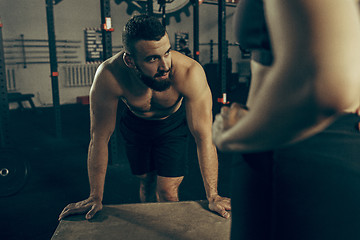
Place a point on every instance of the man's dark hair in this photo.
(141, 27)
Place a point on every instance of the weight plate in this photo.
(14, 172)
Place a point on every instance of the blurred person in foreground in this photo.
(299, 176)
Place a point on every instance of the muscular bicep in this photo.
(198, 102)
(104, 95)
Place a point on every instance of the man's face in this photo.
(153, 61)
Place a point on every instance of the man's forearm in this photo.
(97, 165)
(208, 163)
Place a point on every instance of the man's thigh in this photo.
(170, 156)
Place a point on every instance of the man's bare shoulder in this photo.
(189, 75)
(109, 74)
(113, 63)
(184, 65)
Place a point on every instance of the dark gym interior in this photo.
(49, 53)
(45, 117)
(57, 173)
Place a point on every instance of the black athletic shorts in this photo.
(156, 145)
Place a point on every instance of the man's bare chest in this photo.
(151, 101)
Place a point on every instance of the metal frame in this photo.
(107, 53)
(150, 8)
(196, 23)
(106, 34)
(162, 4)
(222, 48)
(53, 66)
(215, 3)
(4, 104)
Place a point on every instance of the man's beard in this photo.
(157, 85)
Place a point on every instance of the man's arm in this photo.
(103, 105)
(314, 76)
(198, 103)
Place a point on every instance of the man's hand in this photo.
(90, 205)
(220, 205)
(226, 119)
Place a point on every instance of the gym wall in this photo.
(71, 18)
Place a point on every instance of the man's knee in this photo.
(168, 188)
(147, 187)
(168, 195)
(147, 179)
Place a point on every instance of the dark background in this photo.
(58, 174)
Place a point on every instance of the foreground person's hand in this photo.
(226, 119)
(89, 206)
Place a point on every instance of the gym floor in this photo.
(58, 173)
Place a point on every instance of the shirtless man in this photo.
(157, 85)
